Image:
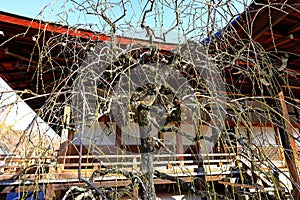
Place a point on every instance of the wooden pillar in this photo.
(67, 135)
(161, 136)
(136, 192)
(177, 123)
(66, 122)
(288, 143)
(66, 149)
(200, 169)
(59, 194)
(118, 136)
(49, 193)
(136, 187)
(279, 143)
(179, 146)
(198, 142)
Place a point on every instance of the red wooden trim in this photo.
(51, 28)
(40, 25)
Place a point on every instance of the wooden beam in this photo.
(20, 57)
(289, 145)
(240, 185)
(294, 48)
(294, 62)
(291, 20)
(274, 33)
(280, 41)
(263, 27)
(292, 87)
(294, 28)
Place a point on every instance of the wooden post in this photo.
(49, 193)
(136, 192)
(279, 143)
(118, 136)
(161, 136)
(66, 135)
(66, 149)
(179, 145)
(66, 120)
(200, 158)
(136, 187)
(198, 142)
(288, 143)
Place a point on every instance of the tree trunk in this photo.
(147, 149)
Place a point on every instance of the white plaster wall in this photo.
(261, 136)
(98, 134)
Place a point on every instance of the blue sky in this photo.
(28, 8)
(162, 17)
(50, 10)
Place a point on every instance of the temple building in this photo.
(205, 119)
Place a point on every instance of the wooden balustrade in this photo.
(13, 164)
(215, 167)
